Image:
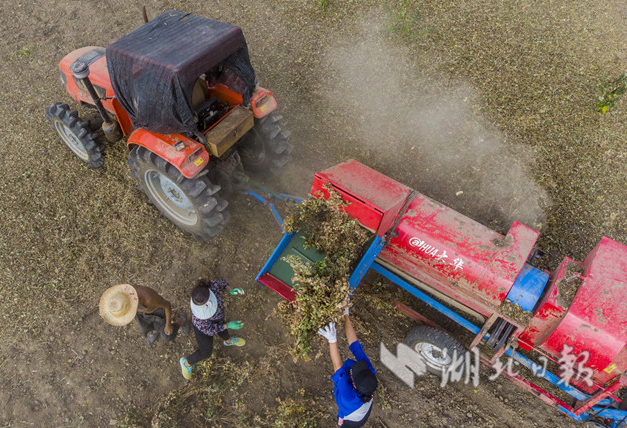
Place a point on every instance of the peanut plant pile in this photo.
(322, 289)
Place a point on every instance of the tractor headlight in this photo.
(196, 157)
(63, 78)
(261, 101)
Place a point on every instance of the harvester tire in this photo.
(193, 205)
(436, 348)
(75, 133)
(594, 424)
(264, 150)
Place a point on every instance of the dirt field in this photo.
(488, 107)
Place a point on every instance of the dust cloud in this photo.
(426, 130)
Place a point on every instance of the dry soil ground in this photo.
(485, 106)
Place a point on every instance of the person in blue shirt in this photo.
(354, 381)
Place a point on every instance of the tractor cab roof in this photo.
(154, 68)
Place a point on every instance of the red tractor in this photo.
(182, 89)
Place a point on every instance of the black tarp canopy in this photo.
(153, 69)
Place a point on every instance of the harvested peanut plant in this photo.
(322, 289)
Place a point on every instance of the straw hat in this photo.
(118, 304)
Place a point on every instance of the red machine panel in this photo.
(455, 254)
(552, 307)
(595, 322)
(375, 199)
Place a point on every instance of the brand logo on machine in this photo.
(429, 250)
(414, 242)
(438, 254)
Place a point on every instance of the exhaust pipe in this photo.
(111, 128)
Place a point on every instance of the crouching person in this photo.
(123, 302)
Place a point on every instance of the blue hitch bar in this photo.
(268, 197)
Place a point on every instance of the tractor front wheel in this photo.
(264, 150)
(75, 133)
(437, 349)
(191, 204)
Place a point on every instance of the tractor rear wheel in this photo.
(264, 150)
(75, 133)
(435, 347)
(193, 205)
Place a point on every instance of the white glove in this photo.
(346, 310)
(328, 332)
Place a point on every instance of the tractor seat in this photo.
(199, 93)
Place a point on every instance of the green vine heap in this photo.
(322, 288)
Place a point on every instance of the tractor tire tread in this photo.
(222, 204)
(209, 207)
(70, 119)
(268, 134)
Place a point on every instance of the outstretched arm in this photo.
(335, 356)
(328, 332)
(168, 316)
(351, 335)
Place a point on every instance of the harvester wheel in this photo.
(594, 424)
(264, 150)
(191, 204)
(437, 349)
(75, 133)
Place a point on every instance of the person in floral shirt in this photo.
(208, 321)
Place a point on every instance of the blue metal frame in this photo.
(364, 264)
(616, 415)
(427, 299)
(279, 196)
(287, 237)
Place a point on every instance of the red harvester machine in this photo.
(575, 314)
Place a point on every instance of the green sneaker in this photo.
(237, 341)
(187, 371)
